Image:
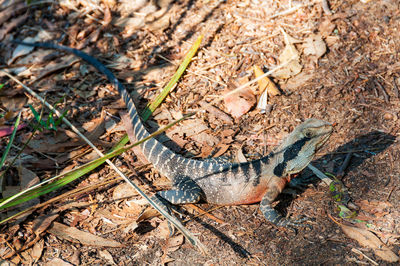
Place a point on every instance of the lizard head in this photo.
(299, 147)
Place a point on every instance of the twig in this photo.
(291, 10)
(327, 180)
(13, 250)
(390, 193)
(396, 88)
(221, 97)
(325, 7)
(365, 256)
(206, 213)
(172, 219)
(385, 95)
(340, 172)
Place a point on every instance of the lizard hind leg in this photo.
(184, 191)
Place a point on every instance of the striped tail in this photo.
(167, 162)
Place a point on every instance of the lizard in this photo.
(218, 181)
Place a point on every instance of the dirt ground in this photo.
(346, 71)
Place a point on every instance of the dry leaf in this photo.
(107, 256)
(326, 27)
(132, 226)
(314, 45)
(378, 208)
(189, 128)
(163, 230)
(13, 104)
(77, 236)
(265, 83)
(289, 55)
(147, 214)
(297, 81)
(174, 243)
(216, 112)
(205, 139)
(37, 250)
(57, 262)
(221, 149)
(27, 177)
(293, 67)
(368, 239)
(124, 190)
(240, 156)
(240, 102)
(10, 25)
(41, 223)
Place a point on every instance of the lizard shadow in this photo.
(362, 148)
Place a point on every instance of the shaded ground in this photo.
(354, 84)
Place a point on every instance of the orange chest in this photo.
(256, 193)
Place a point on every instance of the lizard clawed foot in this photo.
(294, 224)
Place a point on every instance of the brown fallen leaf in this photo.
(12, 24)
(315, 46)
(216, 112)
(326, 27)
(41, 223)
(147, 214)
(221, 149)
(174, 243)
(377, 208)
(37, 250)
(297, 81)
(12, 10)
(123, 191)
(368, 239)
(265, 83)
(107, 256)
(239, 103)
(57, 262)
(189, 128)
(291, 56)
(77, 236)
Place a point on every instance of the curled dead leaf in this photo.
(368, 239)
(265, 83)
(315, 46)
(77, 236)
(240, 103)
(293, 67)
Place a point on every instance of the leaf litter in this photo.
(317, 87)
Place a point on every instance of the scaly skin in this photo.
(216, 181)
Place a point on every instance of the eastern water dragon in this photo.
(218, 181)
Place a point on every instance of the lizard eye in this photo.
(308, 134)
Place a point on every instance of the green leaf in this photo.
(4, 156)
(151, 107)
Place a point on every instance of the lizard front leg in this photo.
(271, 214)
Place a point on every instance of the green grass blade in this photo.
(4, 156)
(61, 180)
(37, 116)
(151, 107)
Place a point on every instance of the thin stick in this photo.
(172, 219)
(340, 172)
(325, 7)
